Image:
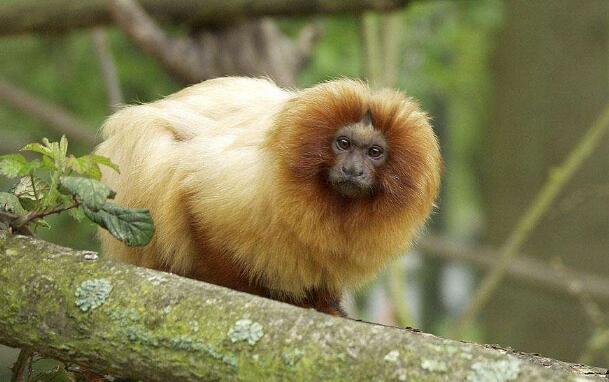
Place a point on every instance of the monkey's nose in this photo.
(352, 171)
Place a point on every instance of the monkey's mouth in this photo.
(351, 187)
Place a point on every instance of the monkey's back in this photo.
(213, 129)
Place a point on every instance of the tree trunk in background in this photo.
(433, 308)
(551, 70)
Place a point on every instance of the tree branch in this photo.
(306, 41)
(56, 118)
(107, 68)
(22, 221)
(251, 47)
(178, 55)
(142, 324)
(552, 277)
(27, 16)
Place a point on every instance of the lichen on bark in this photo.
(156, 326)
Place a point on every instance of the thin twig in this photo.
(34, 215)
(529, 221)
(108, 68)
(23, 363)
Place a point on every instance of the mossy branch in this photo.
(142, 324)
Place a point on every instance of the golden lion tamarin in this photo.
(292, 195)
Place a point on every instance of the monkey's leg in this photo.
(322, 301)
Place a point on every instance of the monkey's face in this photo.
(359, 149)
(360, 154)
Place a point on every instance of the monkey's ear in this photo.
(367, 119)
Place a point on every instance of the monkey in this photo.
(293, 195)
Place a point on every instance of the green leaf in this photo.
(25, 190)
(41, 223)
(63, 146)
(77, 214)
(52, 196)
(84, 166)
(88, 165)
(134, 227)
(38, 148)
(48, 163)
(13, 165)
(105, 161)
(57, 151)
(60, 151)
(90, 192)
(10, 203)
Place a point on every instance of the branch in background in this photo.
(371, 38)
(550, 276)
(57, 119)
(107, 68)
(271, 52)
(306, 41)
(598, 343)
(396, 285)
(382, 40)
(557, 179)
(248, 48)
(393, 28)
(178, 55)
(155, 326)
(27, 16)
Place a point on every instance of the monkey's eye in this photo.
(375, 152)
(343, 143)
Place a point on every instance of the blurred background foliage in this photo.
(504, 104)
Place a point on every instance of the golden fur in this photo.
(232, 172)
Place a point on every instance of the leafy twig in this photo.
(66, 182)
(34, 215)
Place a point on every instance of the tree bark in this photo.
(143, 324)
(27, 16)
